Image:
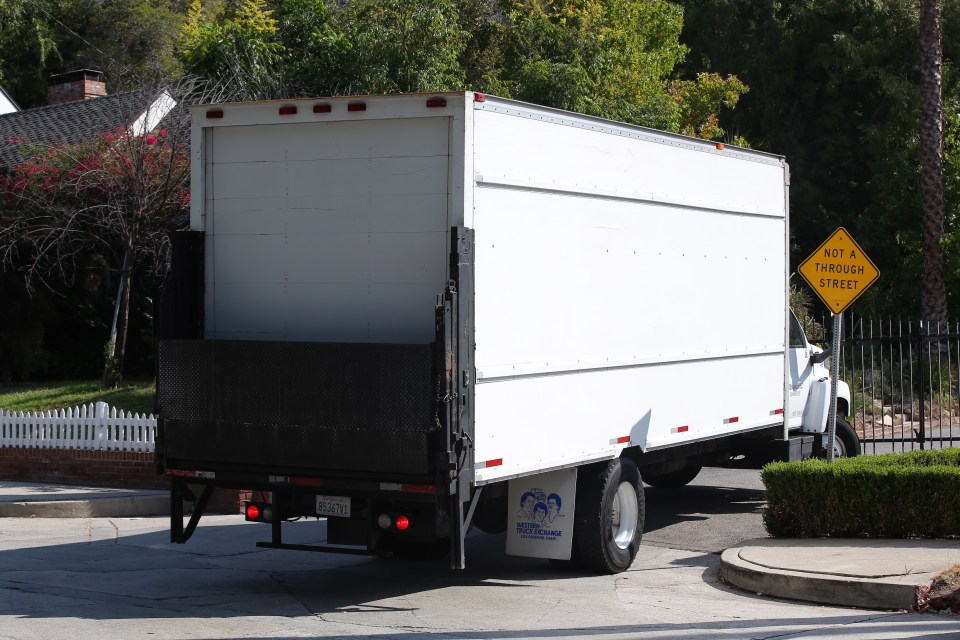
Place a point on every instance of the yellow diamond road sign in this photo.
(839, 271)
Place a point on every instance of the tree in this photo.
(613, 59)
(118, 195)
(131, 41)
(933, 299)
(27, 47)
(378, 46)
(608, 58)
(239, 51)
(835, 87)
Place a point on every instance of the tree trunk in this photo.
(933, 296)
(124, 318)
(110, 375)
(117, 343)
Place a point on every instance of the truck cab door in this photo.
(801, 372)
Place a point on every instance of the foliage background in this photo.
(833, 85)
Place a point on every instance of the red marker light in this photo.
(253, 512)
(288, 111)
(433, 103)
(403, 523)
(322, 108)
(213, 115)
(479, 97)
(357, 106)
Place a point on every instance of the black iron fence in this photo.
(904, 379)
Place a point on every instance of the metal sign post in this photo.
(834, 376)
(839, 272)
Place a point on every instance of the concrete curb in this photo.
(890, 593)
(107, 507)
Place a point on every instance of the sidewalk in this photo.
(869, 573)
(26, 500)
(873, 574)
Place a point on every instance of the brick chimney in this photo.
(84, 84)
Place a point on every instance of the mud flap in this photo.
(540, 512)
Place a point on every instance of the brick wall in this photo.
(123, 469)
(74, 467)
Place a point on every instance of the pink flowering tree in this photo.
(117, 195)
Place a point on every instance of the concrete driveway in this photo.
(121, 578)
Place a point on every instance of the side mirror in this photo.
(817, 358)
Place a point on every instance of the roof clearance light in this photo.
(403, 523)
(322, 108)
(288, 111)
(215, 115)
(357, 106)
(434, 103)
(721, 146)
(253, 512)
(479, 97)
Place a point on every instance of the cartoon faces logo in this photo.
(537, 506)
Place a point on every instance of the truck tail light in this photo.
(401, 522)
(258, 512)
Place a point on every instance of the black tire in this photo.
(491, 515)
(847, 440)
(674, 479)
(608, 524)
(573, 564)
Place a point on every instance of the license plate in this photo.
(336, 506)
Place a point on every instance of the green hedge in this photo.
(899, 495)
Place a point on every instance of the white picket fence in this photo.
(94, 427)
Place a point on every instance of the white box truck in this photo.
(406, 315)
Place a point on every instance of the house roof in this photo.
(70, 122)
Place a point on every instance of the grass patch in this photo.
(136, 396)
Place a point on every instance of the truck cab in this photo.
(809, 391)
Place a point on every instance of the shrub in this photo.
(899, 495)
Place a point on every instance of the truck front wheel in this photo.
(609, 515)
(847, 442)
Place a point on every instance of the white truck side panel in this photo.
(629, 290)
(327, 231)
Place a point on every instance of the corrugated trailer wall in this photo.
(629, 289)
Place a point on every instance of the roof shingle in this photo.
(69, 122)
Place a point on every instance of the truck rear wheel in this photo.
(674, 479)
(609, 515)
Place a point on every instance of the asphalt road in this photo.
(718, 510)
(121, 578)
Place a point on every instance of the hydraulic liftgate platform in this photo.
(318, 409)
